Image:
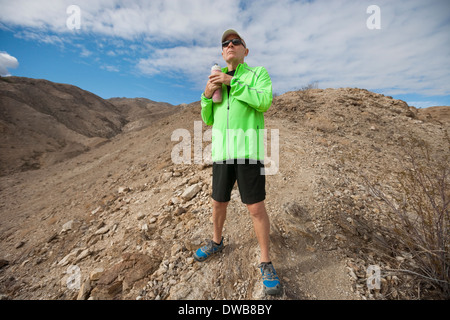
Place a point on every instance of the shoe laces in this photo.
(268, 272)
(210, 245)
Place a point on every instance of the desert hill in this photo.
(120, 221)
(43, 122)
(439, 114)
(141, 112)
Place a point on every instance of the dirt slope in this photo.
(120, 221)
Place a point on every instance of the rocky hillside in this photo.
(43, 122)
(121, 221)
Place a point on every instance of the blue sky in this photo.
(163, 50)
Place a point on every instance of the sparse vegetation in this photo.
(418, 215)
(311, 85)
(305, 91)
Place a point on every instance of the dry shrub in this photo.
(418, 214)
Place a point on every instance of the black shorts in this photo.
(249, 176)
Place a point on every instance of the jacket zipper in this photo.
(228, 127)
(228, 117)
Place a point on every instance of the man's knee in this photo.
(219, 205)
(257, 210)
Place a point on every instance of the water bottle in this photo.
(217, 95)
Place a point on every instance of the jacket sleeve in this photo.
(258, 94)
(206, 112)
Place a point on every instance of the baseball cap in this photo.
(231, 31)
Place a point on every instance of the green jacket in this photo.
(238, 121)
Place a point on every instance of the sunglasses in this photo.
(235, 42)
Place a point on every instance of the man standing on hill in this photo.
(238, 147)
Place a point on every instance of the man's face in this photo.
(232, 52)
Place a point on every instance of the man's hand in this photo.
(211, 88)
(215, 82)
(220, 77)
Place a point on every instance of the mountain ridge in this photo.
(45, 122)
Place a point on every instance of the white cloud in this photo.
(297, 41)
(40, 36)
(110, 68)
(85, 52)
(190, 65)
(161, 20)
(6, 62)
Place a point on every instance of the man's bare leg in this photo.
(219, 215)
(261, 225)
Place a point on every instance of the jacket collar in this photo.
(245, 65)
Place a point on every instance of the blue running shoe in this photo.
(208, 250)
(271, 282)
